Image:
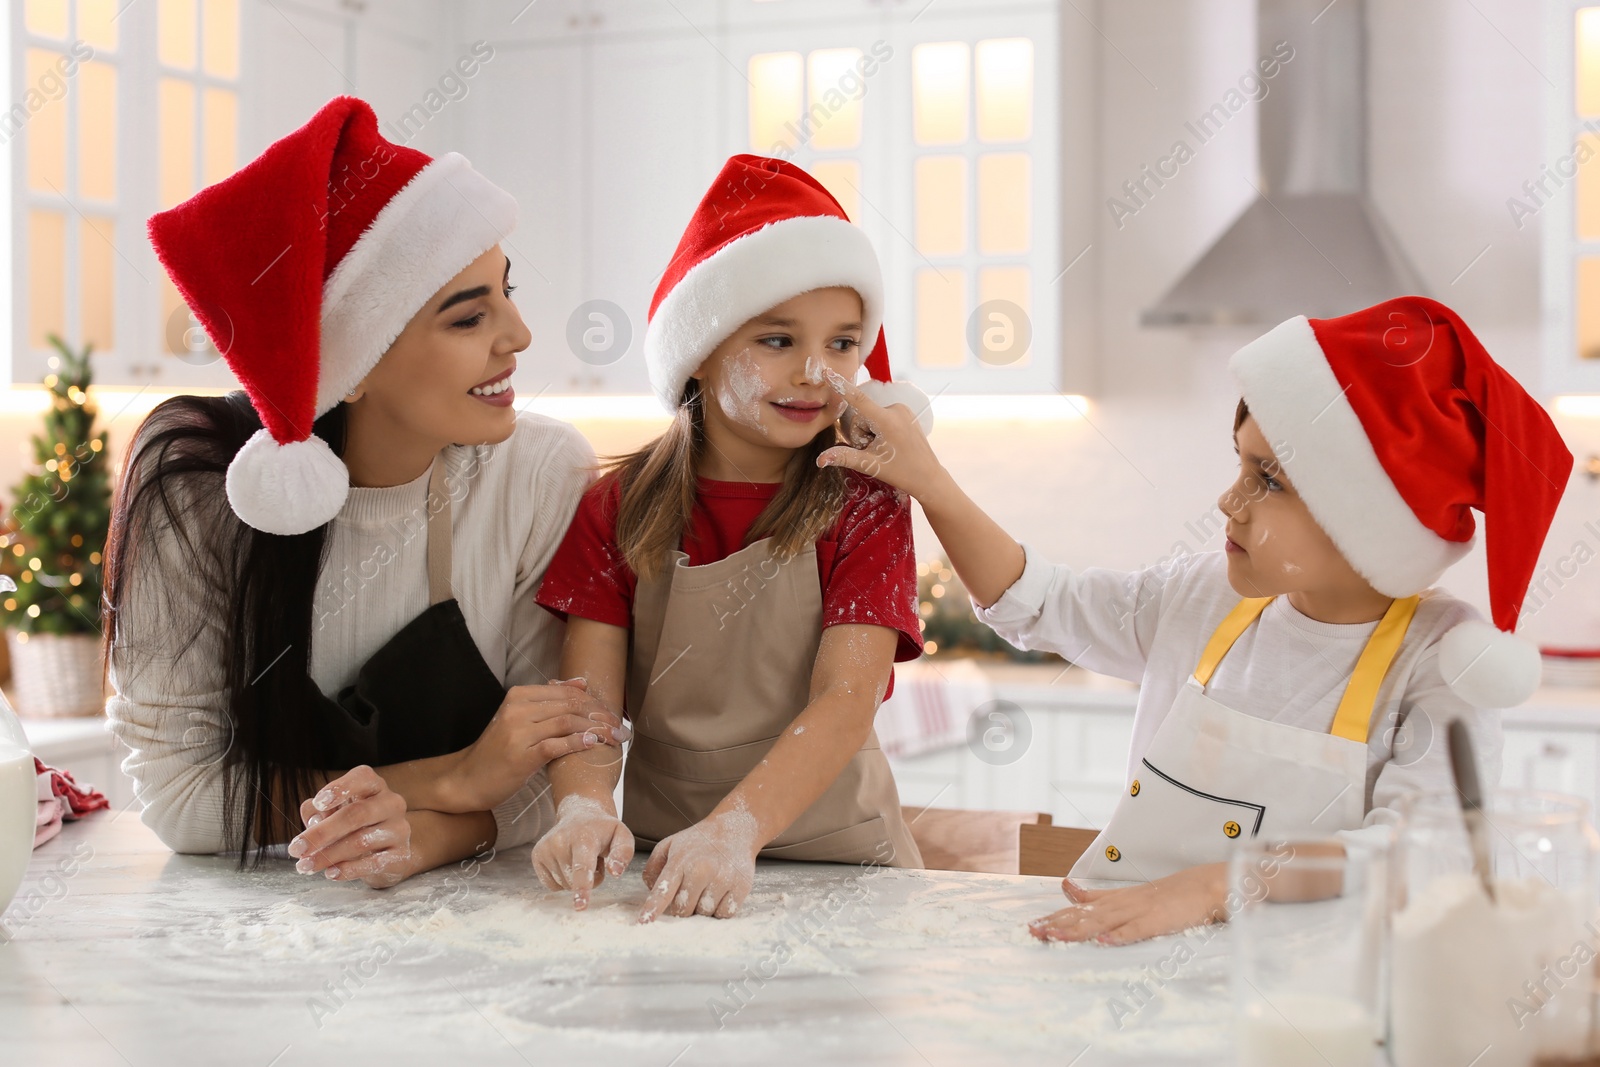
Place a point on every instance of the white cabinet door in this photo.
(1072, 765)
(653, 146)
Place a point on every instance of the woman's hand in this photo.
(356, 828)
(585, 844)
(708, 869)
(896, 451)
(535, 724)
(1192, 897)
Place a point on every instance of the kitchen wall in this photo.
(1457, 126)
(1457, 117)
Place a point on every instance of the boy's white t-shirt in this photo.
(1150, 626)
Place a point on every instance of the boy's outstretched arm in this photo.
(987, 558)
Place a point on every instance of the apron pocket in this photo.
(863, 842)
(718, 766)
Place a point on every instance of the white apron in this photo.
(1214, 777)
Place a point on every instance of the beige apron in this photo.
(720, 665)
(1214, 777)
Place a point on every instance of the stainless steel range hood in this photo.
(1312, 243)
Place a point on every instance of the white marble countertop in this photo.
(121, 952)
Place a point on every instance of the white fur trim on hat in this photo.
(1487, 667)
(1306, 418)
(286, 489)
(885, 394)
(431, 230)
(746, 277)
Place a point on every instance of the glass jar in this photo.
(1501, 982)
(1307, 920)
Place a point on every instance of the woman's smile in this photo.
(496, 390)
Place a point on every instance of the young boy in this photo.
(1300, 681)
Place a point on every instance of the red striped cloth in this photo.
(930, 707)
(61, 799)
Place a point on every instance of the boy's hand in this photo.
(585, 844)
(708, 869)
(897, 451)
(1192, 897)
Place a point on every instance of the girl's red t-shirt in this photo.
(866, 563)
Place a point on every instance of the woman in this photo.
(316, 597)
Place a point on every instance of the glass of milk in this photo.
(1496, 982)
(1308, 920)
(19, 802)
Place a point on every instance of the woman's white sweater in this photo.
(512, 504)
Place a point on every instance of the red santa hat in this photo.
(303, 267)
(1394, 423)
(765, 232)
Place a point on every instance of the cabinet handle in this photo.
(1555, 751)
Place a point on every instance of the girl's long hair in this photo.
(657, 497)
(258, 589)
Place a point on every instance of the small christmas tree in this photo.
(52, 542)
(948, 626)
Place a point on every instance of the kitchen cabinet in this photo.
(624, 111)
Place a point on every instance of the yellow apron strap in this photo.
(1236, 623)
(1354, 717)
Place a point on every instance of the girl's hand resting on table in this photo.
(1192, 897)
(896, 450)
(707, 869)
(356, 828)
(586, 843)
(534, 725)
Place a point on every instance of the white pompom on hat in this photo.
(764, 233)
(1394, 425)
(303, 267)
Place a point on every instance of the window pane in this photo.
(47, 18)
(176, 33)
(47, 268)
(175, 103)
(940, 74)
(1005, 89)
(1586, 54)
(97, 261)
(835, 91)
(941, 317)
(219, 26)
(97, 24)
(1004, 203)
(47, 130)
(1589, 307)
(219, 134)
(1589, 190)
(941, 205)
(842, 178)
(776, 90)
(1005, 340)
(97, 131)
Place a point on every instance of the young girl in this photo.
(744, 605)
(318, 594)
(1301, 681)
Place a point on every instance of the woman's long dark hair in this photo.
(261, 589)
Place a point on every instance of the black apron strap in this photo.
(427, 691)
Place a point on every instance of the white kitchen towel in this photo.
(931, 704)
